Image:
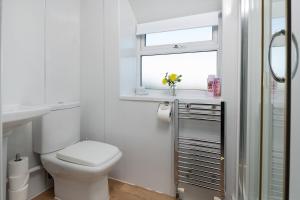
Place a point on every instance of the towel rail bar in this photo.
(199, 162)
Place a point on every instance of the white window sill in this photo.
(183, 95)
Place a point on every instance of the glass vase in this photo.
(173, 90)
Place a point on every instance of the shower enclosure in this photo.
(270, 108)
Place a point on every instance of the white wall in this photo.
(128, 49)
(23, 65)
(231, 89)
(23, 51)
(153, 10)
(132, 125)
(92, 70)
(62, 55)
(40, 64)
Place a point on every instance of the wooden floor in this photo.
(119, 191)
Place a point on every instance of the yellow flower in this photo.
(164, 81)
(173, 77)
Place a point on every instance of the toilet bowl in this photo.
(79, 168)
(78, 177)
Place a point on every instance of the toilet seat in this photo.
(88, 153)
(74, 170)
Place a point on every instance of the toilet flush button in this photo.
(217, 198)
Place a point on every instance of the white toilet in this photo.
(79, 168)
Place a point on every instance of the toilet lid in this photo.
(88, 153)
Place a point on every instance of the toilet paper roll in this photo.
(18, 168)
(21, 194)
(18, 182)
(164, 112)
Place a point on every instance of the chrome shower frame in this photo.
(243, 140)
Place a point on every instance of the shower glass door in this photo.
(276, 89)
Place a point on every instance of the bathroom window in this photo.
(194, 67)
(193, 53)
(179, 36)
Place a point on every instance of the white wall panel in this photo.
(23, 67)
(146, 143)
(128, 49)
(23, 51)
(62, 50)
(92, 70)
(23, 63)
(230, 70)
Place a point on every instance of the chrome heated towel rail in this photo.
(199, 162)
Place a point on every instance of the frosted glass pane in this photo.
(278, 24)
(278, 52)
(194, 67)
(278, 61)
(179, 36)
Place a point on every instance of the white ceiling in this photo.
(152, 10)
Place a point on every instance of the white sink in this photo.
(17, 115)
(14, 116)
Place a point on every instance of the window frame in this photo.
(190, 47)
